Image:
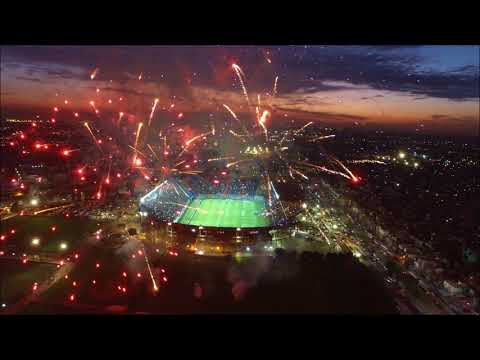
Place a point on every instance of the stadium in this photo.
(225, 216)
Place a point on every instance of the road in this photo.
(65, 269)
(332, 217)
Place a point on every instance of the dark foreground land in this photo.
(286, 283)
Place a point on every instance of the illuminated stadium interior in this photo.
(240, 204)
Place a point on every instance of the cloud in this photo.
(25, 78)
(445, 119)
(321, 115)
(382, 68)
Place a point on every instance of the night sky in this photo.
(432, 89)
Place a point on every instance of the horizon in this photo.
(431, 89)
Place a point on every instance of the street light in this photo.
(401, 155)
(35, 241)
(63, 246)
(34, 202)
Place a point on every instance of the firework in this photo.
(139, 128)
(92, 104)
(262, 121)
(155, 287)
(153, 110)
(153, 152)
(231, 112)
(366, 161)
(303, 128)
(94, 74)
(238, 70)
(91, 133)
(221, 158)
(195, 138)
(322, 138)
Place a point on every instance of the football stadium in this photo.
(239, 211)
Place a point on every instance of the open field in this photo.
(226, 212)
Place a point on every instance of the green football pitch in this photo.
(225, 212)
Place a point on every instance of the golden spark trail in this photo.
(51, 209)
(300, 173)
(221, 158)
(153, 110)
(240, 73)
(237, 162)
(120, 115)
(195, 138)
(155, 287)
(154, 153)
(275, 86)
(318, 227)
(353, 177)
(235, 134)
(366, 162)
(303, 128)
(322, 138)
(136, 141)
(262, 121)
(91, 133)
(324, 169)
(92, 104)
(138, 151)
(231, 112)
(194, 172)
(192, 140)
(269, 190)
(68, 152)
(94, 73)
